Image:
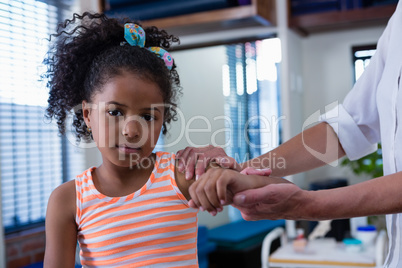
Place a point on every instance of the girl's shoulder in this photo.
(65, 191)
(63, 197)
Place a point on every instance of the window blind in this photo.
(34, 159)
(251, 90)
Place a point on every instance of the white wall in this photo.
(328, 77)
(89, 5)
(291, 90)
(202, 102)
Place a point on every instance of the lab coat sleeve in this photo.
(356, 121)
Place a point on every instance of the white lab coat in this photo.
(372, 112)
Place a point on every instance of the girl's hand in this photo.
(194, 161)
(217, 187)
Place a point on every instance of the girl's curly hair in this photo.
(87, 54)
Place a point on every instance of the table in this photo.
(323, 253)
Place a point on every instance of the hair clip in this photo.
(135, 36)
(164, 55)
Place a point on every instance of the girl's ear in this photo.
(86, 112)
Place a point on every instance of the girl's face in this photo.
(126, 118)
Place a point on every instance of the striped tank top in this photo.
(152, 227)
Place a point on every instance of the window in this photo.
(34, 159)
(361, 58)
(251, 90)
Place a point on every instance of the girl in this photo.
(132, 210)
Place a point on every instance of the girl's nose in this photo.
(132, 129)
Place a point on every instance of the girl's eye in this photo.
(115, 113)
(148, 117)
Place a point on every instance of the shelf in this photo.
(337, 20)
(260, 12)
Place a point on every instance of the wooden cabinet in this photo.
(345, 19)
(259, 12)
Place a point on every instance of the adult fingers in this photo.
(182, 157)
(253, 171)
(249, 213)
(191, 160)
(253, 196)
(195, 160)
(179, 152)
(227, 162)
(201, 165)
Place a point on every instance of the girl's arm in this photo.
(220, 185)
(61, 229)
(182, 183)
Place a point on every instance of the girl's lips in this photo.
(128, 150)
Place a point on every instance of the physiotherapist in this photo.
(371, 113)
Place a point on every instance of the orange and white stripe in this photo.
(152, 227)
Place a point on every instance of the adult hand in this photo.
(194, 161)
(273, 201)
